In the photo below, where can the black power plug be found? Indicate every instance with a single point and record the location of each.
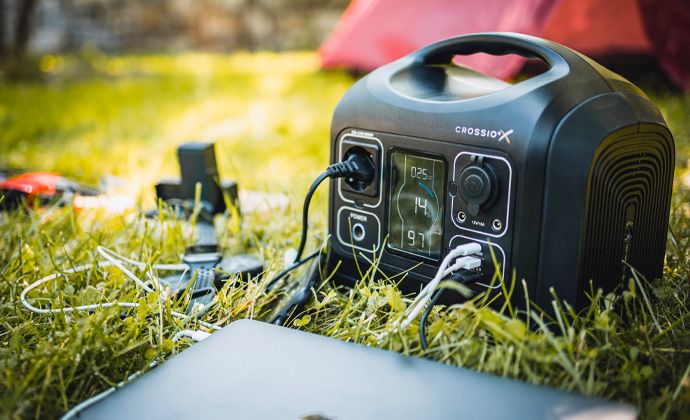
(359, 167)
(365, 171)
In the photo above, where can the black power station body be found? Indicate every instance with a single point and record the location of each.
(563, 178)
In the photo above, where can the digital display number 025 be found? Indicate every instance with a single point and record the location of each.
(416, 204)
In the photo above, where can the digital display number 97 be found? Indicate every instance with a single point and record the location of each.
(416, 239)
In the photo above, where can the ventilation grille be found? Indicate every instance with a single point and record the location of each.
(628, 202)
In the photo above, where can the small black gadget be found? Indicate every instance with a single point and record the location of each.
(562, 178)
(198, 166)
(208, 268)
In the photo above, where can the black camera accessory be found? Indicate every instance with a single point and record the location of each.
(208, 269)
(564, 177)
(197, 166)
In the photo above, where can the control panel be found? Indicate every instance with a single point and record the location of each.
(427, 197)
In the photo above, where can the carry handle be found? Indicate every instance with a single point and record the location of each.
(495, 43)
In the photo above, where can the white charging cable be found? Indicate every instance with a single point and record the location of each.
(116, 260)
(196, 335)
(460, 257)
(112, 259)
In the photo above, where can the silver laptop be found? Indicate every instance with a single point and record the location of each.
(255, 370)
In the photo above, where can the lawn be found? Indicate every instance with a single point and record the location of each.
(92, 116)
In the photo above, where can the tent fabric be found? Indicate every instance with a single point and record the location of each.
(374, 32)
(668, 24)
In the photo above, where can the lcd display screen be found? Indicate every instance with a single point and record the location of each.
(415, 220)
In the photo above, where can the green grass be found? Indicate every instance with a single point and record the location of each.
(270, 114)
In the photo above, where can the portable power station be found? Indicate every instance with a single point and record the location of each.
(563, 178)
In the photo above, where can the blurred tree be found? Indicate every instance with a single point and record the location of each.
(23, 29)
(2, 30)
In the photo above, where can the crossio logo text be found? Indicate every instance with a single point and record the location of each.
(498, 135)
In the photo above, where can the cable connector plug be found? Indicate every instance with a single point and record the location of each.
(358, 168)
(468, 262)
(465, 276)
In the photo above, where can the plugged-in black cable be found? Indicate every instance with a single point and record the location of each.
(305, 212)
(425, 315)
(358, 167)
(287, 271)
(462, 276)
(300, 297)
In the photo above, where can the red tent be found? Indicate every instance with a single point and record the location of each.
(374, 32)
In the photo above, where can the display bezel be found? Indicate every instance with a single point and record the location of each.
(389, 203)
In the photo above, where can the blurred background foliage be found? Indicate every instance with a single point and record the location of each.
(94, 115)
(45, 26)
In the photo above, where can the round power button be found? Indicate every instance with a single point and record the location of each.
(358, 232)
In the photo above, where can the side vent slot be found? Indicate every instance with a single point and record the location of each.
(629, 185)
